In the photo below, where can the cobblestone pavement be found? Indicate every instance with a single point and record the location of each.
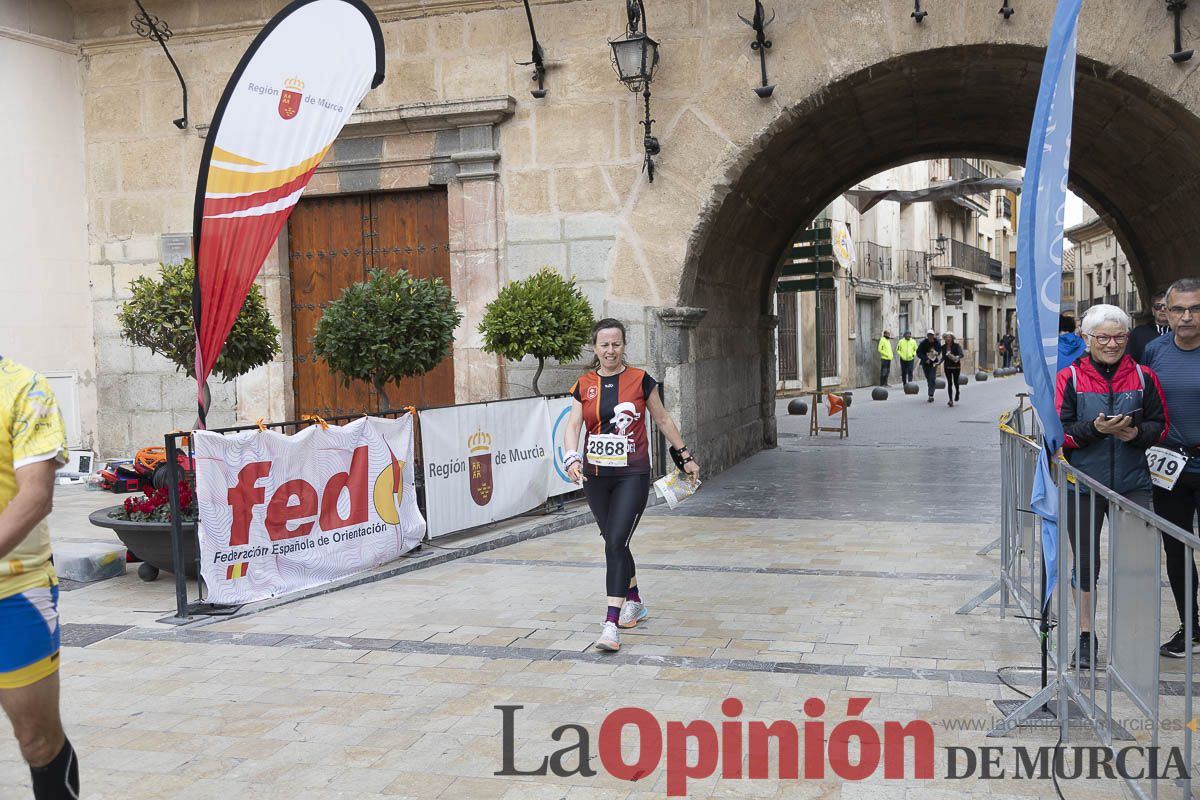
(819, 570)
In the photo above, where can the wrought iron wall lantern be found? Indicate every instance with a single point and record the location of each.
(1006, 12)
(1176, 7)
(148, 26)
(917, 13)
(939, 247)
(635, 57)
(537, 62)
(761, 44)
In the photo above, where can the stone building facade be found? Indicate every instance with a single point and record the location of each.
(907, 278)
(689, 261)
(1101, 270)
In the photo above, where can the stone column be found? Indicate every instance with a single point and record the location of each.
(671, 351)
(474, 208)
(767, 324)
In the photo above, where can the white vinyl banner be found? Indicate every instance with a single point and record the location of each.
(282, 513)
(484, 462)
(557, 482)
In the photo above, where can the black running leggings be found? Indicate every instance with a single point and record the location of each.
(1180, 506)
(617, 503)
(952, 389)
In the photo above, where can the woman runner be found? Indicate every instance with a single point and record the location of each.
(611, 401)
(952, 356)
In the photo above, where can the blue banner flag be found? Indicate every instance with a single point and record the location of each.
(1040, 247)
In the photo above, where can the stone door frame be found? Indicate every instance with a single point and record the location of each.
(451, 143)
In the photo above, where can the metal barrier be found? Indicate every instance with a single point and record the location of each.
(179, 443)
(1120, 696)
(1016, 472)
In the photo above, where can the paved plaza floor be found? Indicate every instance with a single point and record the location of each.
(822, 569)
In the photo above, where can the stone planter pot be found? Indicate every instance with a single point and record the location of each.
(150, 541)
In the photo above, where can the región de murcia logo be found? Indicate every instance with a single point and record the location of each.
(480, 465)
(289, 99)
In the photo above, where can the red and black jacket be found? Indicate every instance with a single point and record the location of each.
(1087, 388)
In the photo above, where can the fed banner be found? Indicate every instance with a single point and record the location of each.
(484, 462)
(283, 513)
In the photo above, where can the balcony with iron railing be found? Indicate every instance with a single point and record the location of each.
(1006, 208)
(874, 262)
(963, 262)
(962, 169)
(912, 267)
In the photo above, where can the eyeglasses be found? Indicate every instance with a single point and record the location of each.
(1104, 338)
(1160, 306)
(1179, 311)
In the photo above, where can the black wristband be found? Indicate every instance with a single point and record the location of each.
(677, 456)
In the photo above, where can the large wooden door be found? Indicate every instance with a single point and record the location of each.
(336, 241)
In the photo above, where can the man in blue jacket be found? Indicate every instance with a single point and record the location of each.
(1070, 344)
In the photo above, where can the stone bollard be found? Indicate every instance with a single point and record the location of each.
(940, 383)
(797, 407)
(879, 393)
(912, 388)
(963, 381)
(980, 376)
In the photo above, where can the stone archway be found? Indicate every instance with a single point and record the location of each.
(1134, 160)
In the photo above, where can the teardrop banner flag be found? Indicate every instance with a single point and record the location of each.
(1039, 258)
(290, 96)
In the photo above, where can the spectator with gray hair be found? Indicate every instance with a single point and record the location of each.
(1112, 409)
(1176, 359)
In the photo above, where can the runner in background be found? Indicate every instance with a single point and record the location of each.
(611, 402)
(32, 447)
(952, 356)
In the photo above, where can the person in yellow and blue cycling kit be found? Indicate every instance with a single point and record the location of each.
(32, 447)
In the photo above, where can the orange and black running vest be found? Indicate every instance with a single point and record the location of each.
(616, 404)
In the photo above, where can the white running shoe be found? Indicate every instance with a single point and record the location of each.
(610, 638)
(632, 613)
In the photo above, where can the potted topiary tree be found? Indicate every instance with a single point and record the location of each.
(159, 316)
(544, 316)
(389, 327)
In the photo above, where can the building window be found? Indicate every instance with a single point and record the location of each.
(905, 314)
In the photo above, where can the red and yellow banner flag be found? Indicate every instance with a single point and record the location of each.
(288, 99)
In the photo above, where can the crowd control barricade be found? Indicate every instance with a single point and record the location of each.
(1129, 697)
(1018, 530)
(190, 603)
(180, 466)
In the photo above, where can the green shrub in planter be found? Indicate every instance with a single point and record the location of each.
(544, 316)
(389, 327)
(159, 316)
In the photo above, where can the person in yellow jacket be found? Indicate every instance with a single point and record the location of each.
(906, 350)
(885, 357)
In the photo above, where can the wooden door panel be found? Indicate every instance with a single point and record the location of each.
(334, 242)
(414, 235)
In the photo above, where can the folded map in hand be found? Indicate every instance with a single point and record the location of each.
(675, 487)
